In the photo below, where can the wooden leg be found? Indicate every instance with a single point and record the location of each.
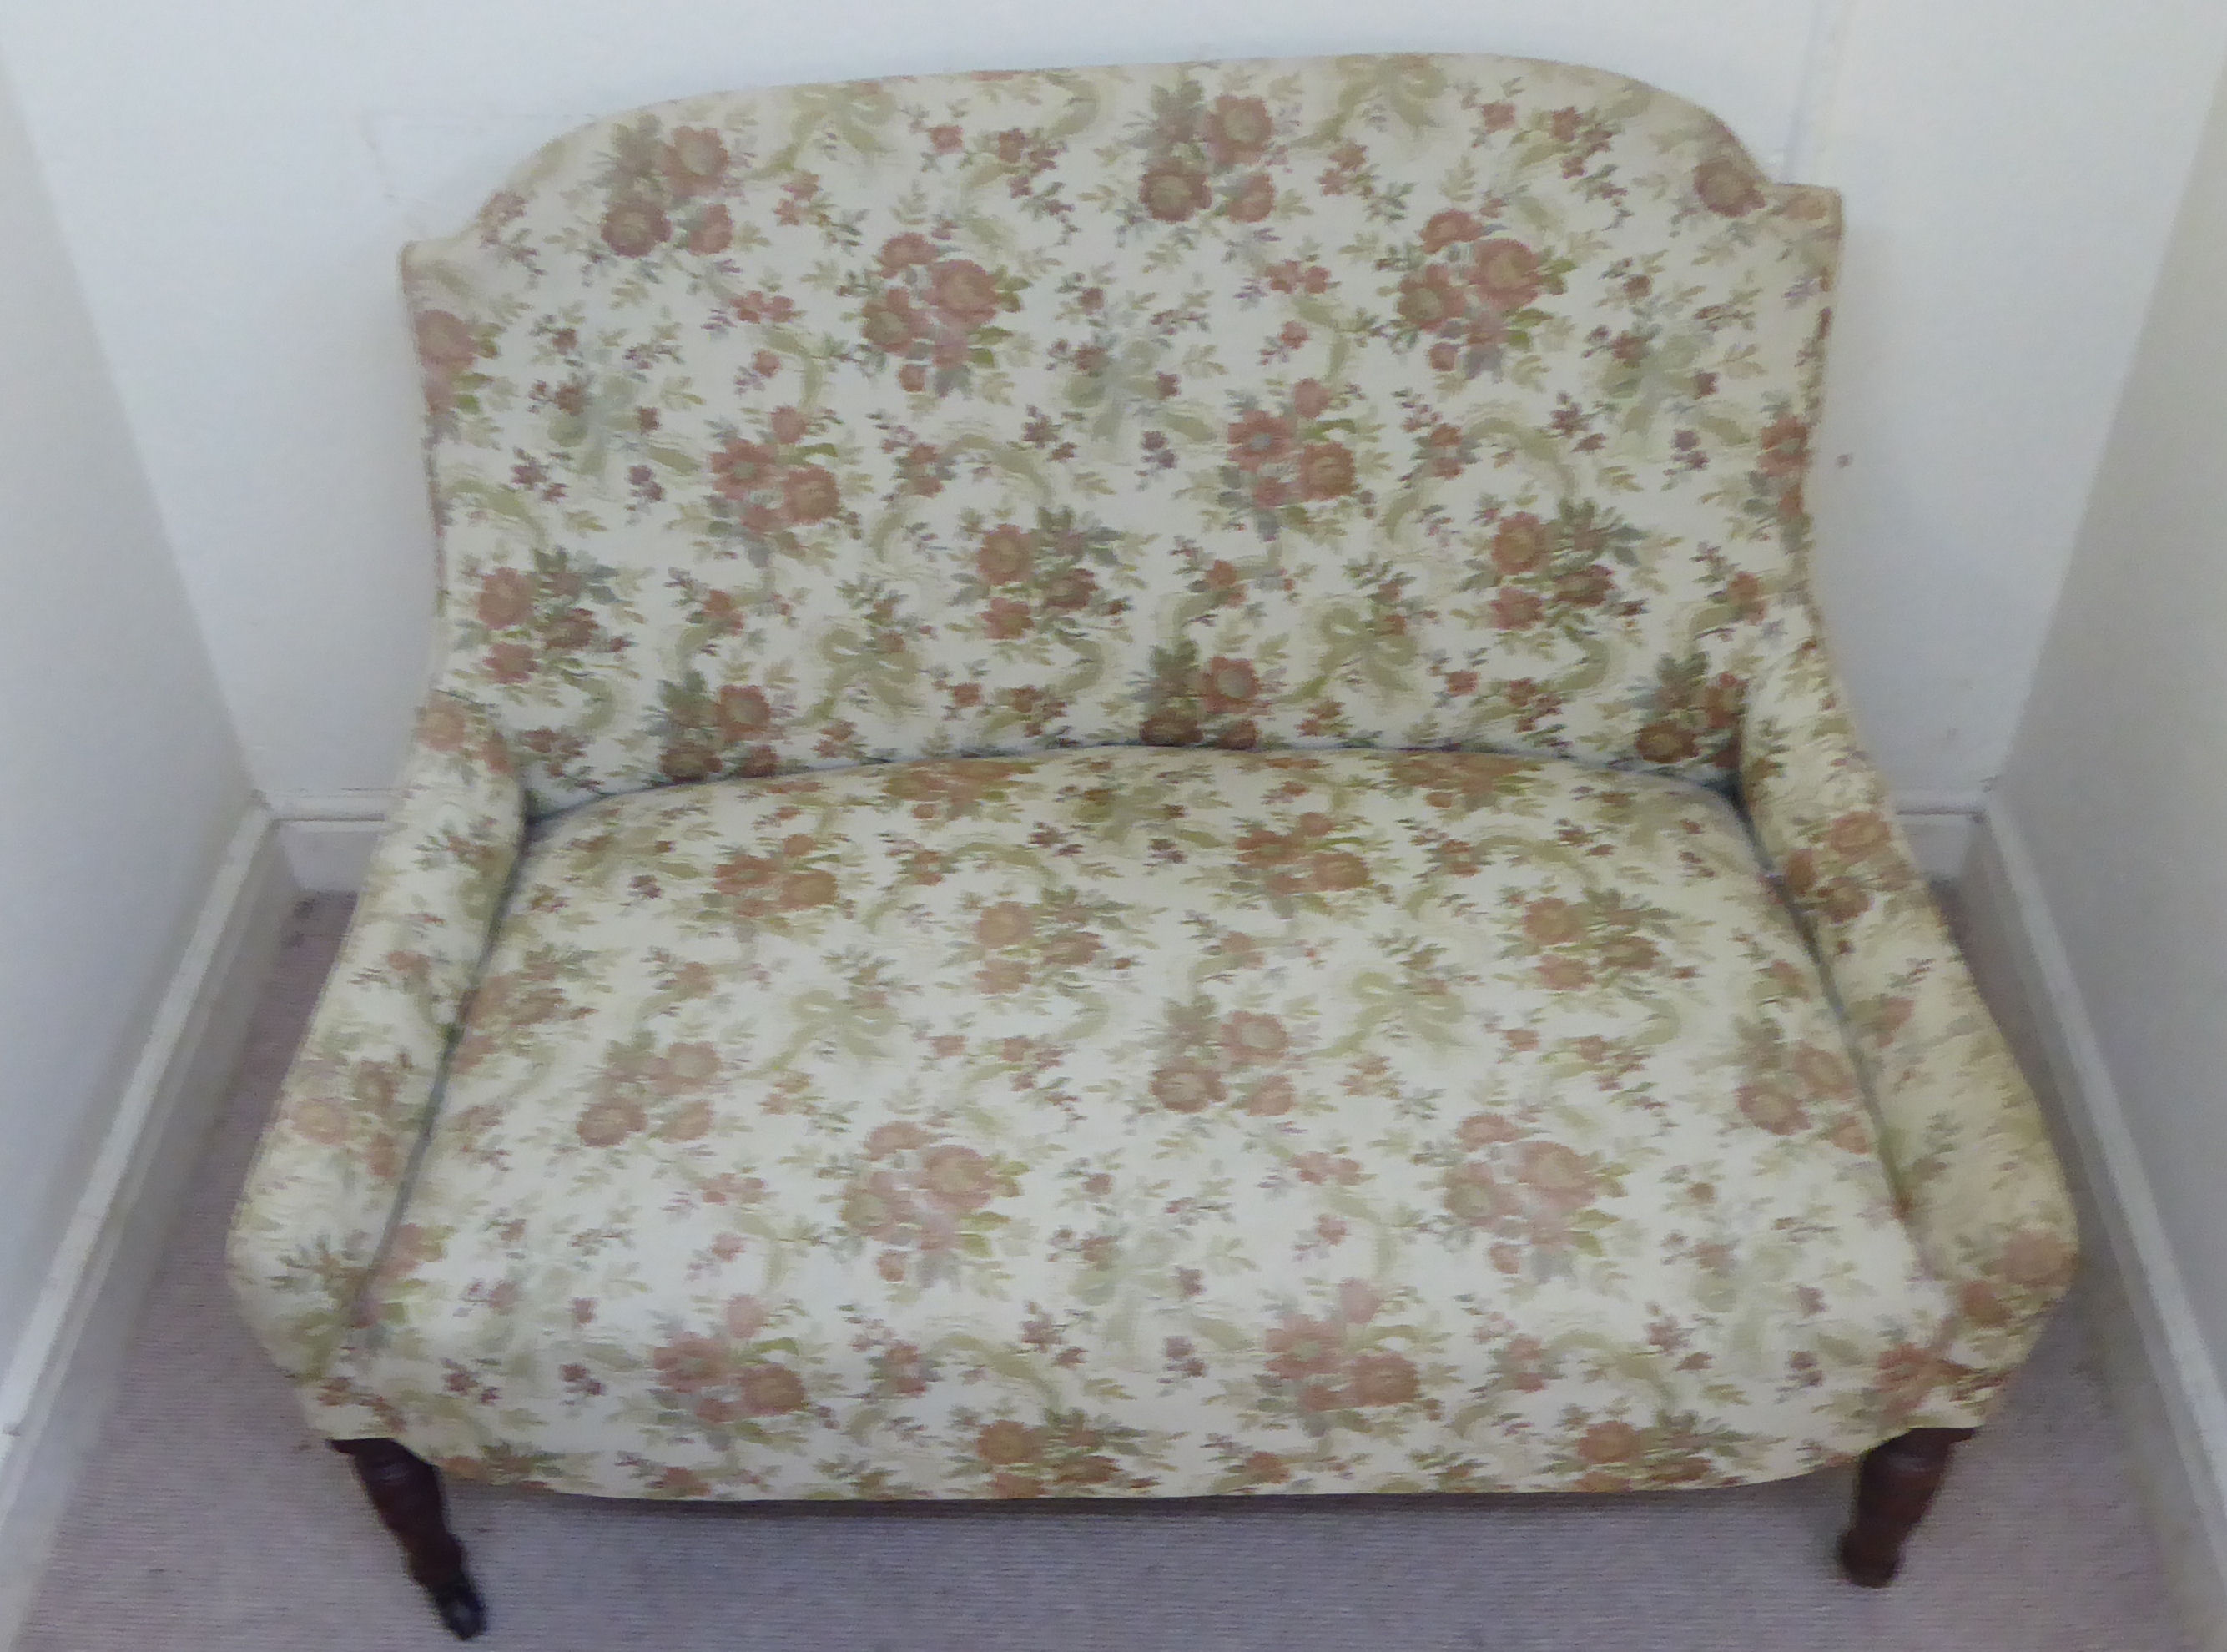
(1894, 1488)
(405, 1490)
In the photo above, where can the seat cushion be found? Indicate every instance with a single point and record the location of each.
(1133, 1121)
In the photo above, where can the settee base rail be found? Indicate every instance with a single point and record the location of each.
(1894, 1488)
(405, 1491)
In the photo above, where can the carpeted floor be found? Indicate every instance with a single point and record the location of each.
(210, 1521)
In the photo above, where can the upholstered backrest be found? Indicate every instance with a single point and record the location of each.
(1420, 401)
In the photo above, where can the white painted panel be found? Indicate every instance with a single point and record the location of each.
(2142, 1322)
(120, 781)
(2119, 777)
(2010, 170)
(57, 1384)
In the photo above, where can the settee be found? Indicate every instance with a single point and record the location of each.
(1131, 791)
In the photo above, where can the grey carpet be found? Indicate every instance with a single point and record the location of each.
(210, 1521)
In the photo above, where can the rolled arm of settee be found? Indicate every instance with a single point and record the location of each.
(361, 1092)
(1976, 1179)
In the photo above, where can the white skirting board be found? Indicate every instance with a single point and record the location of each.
(328, 839)
(1940, 831)
(56, 1391)
(2163, 1382)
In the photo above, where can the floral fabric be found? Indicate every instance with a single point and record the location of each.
(1396, 402)
(1151, 1122)
(1097, 694)
(1978, 1183)
(327, 1180)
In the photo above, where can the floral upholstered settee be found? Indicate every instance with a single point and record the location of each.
(1132, 792)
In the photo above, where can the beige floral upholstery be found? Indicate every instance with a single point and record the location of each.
(325, 1188)
(1978, 1184)
(1132, 792)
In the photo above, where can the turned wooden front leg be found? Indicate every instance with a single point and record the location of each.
(1894, 1488)
(405, 1491)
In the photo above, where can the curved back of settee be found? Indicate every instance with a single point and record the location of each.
(1412, 402)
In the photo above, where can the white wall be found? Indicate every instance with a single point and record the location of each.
(2011, 169)
(120, 781)
(2118, 780)
(250, 165)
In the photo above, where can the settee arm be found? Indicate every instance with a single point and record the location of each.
(326, 1182)
(1976, 1179)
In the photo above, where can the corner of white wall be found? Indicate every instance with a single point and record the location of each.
(2162, 1381)
(328, 838)
(1939, 826)
(60, 1381)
